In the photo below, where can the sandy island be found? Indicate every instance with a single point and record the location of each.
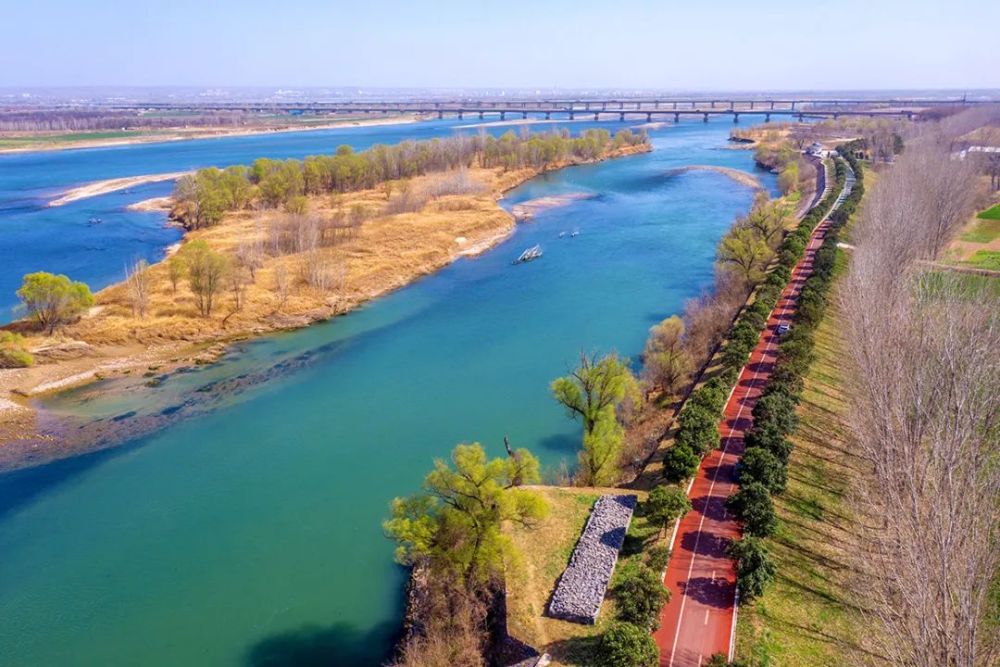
(187, 134)
(527, 210)
(113, 185)
(741, 177)
(386, 253)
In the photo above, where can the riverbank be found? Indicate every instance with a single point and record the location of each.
(35, 142)
(385, 251)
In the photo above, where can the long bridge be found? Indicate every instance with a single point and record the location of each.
(598, 109)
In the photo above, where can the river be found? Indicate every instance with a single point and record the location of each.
(249, 532)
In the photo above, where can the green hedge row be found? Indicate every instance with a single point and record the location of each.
(762, 471)
(698, 422)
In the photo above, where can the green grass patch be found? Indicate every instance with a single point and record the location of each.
(985, 259)
(982, 232)
(992, 213)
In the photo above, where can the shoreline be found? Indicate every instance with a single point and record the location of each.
(178, 134)
(741, 177)
(90, 363)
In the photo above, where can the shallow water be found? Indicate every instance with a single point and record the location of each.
(250, 534)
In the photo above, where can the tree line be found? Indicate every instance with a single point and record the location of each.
(923, 350)
(203, 198)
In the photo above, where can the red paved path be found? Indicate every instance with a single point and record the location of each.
(700, 618)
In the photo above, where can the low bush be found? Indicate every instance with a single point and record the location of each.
(13, 353)
(624, 644)
(640, 595)
(680, 463)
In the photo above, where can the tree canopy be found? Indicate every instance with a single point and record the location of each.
(53, 299)
(455, 524)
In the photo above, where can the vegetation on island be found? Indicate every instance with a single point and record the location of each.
(204, 198)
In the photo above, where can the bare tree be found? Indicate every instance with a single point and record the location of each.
(924, 354)
(282, 285)
(137, 287)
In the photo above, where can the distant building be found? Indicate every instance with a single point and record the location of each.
(814, 148)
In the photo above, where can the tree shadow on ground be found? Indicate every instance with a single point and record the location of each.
(341, 644)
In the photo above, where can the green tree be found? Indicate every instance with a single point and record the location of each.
(666, 362)
(788, 179)
(680, 463)
(753, 507)
(593, 392)
(207, 272)
(666, 504)
(760, 465)
(53, 300)
(746, 252)
(627, 645)
(455, 524)
(593, 389)
(699, 428)
(754, 567)
(776, 409)
(639, 596)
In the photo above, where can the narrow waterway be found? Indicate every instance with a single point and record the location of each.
(250, 533)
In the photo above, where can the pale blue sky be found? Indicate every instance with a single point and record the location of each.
(668, 44)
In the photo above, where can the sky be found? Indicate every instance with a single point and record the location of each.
(662, 44)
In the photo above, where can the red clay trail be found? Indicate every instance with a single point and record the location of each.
(700, 619)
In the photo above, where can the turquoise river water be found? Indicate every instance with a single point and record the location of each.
(245, 528)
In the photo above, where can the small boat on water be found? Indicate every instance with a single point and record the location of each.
(534, 252)
(94, 221)
(576, 232)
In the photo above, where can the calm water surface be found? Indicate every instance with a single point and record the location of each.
(250, 535)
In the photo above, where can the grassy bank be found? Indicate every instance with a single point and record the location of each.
(546, 551)
(806, 619)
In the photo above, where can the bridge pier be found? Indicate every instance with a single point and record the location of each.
(767, 118)
(706, 118)
(596, 115)
(751, 105)
(621, 105)
(503, 115)
(675, 105)
(461, 115)
(793, 105)
(649, 117)
(713, 104)
(480, 115)
(440, 115)
(736, 117)
(909, 115)
(772, 105)
(524, 115)
(571, 114)
(836, 115)
(548, 114)
(621, 117)
(656, 104)
(604, 106)
(677, 117)
(731, 103)
(586, 106)
(801, 118)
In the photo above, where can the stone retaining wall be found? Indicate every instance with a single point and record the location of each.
(580, 592)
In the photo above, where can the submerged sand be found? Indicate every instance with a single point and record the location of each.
(113, 185)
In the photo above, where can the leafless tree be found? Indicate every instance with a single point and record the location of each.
(137, 287)
(924, 354)
(282, 285)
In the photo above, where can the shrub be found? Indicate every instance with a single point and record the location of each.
(760, 465)
(665, 504)
(754, 568)
(736, 353)
(639, 596)
(12, 351)
(775, 409)
(657, 558)
(711, 395)
(680, 463)
(624, 644)
(699, 429)
(769, 438)
(752, 505)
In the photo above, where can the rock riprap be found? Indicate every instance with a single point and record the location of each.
(582, 586)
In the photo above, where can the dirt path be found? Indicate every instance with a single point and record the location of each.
(700, 619)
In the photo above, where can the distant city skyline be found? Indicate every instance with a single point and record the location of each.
(563, 44)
